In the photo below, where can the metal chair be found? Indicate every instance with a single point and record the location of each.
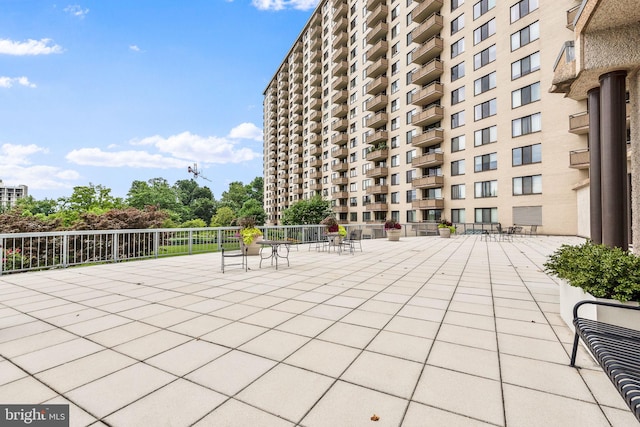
(241, 253)
(355, 238)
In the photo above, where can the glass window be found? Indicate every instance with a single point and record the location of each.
(486, 189)
(457, 24)
(482, 7)
(457, 71)
(457, 192)
(526, 155)
(525, 95)
(457, 48)
(457, 95)
(486, 162)
(456, 4)
(523, 185)
(486, 215)
(525, 36)
(485, 57)
(485, 109)
(458, 216)
(457, 143)
(457, 119)
(485, 136)
(457, 167)
(523, 8)
(484, 83)
(484, 31)
(525, 66)
(526, 125)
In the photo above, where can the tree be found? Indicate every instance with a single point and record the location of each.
(91, 198)
(30, 206)
(304, 212)
(255, 189)
(197, 202)
(235, 196)
(253, 208)
(223, 218)
(155, 192)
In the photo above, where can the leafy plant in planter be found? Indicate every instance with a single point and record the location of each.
(447, 224)
(392, 224)
(333, 227)
(249, 231)
(599, 270)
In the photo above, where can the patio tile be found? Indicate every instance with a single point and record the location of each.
(550, 351)
(10, 372)
(381, 307)
(468, 395)
(350, 405)
(236, 296)
(531, 408)
(110, 393)
(305, 325)
(323, 357)
(187, 357)
(602, 388)
(264, 301)
(98, 324)
(401, 345)
(34, 342)
(527, 329)
(231, 372)
(294, 306)
(55, 355)
(367, 318)
(268, 318)
(422, 313)
(279, 391)
(384, 373)
(149, 345)
(465, 307)
(79, 417)
(416, 327)
(274, 344)
(470, 320)
(84, 370)
(26, 389)
(199, 326)
(207, 306)
(619, 417)
(328, 312)
(418, 415)
(178, 403)
(343, 301)
(470, 360)
(311, 296)
(468, 336)
(14, 320)
(237, 414)
(235, 311)
(233, 334)
(351, 335)
(121, 334)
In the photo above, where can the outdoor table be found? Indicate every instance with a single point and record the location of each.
(335, 241)
(279, 249)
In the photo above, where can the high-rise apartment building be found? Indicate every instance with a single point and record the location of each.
(9, 195)
(427, 110)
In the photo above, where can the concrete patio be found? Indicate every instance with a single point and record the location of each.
(421, 332)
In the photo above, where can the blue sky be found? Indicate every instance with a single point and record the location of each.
(111, 91)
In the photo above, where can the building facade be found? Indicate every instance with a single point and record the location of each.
(427, 110)
(9, 195)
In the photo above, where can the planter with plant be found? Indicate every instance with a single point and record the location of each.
(596, 272)
(250, 235)
(393, 230)
(446, 229)
(335, 231)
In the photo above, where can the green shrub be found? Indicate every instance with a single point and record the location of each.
(600, 270)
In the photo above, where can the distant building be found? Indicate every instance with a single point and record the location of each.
(9, 195)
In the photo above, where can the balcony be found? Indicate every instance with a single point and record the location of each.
(296, 159)
(315, 116)
(579, 123)
(315, 80)
(314, 127)
(315, 187)
(377, 50)
(315, 92)
(340, 10)
(372, 4)
(428, 204)
(340, 139)
(315, 163)
(377, 102)
(425, 9)
(339, 26)
(315, 104)
(428, 181)
(571, 16)
(376, 33)
(315, 67)
(377, 14)
(342, 180)
(377, 68)
(579, 159)
(296, 77)
(428, 95)
(378, 155)
(428, 50)
(378, 85)
(340, 208)
(429, 28)
(340, 83)
(340, 125)
(340, 40)
(296, 118)
(340, 54)
(315, 55)
(340, 111)
(340, 167)
(314, 150)
(378, 189)
(377, 120)
(377, 206)
(340, 68)
(340, 195)
(429, 116)
(428, 160)
(378, 136)
(379, 172)
(339, 153)
(340, 96)
(296, 181)
(315, 175)
(429, 72)
(314, 139)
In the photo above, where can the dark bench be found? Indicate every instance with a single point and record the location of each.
(615, 348)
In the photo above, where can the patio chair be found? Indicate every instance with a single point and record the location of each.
(354, 239)
(240, 253)
(533, 231)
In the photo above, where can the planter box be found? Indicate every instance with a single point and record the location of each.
(393, 234)
(570, 295)
(254, 247)
(445, 232)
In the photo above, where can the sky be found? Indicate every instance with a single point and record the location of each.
(107, 92)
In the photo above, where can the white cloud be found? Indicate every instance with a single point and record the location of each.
(29, 47)
(7, 82)
(284, 4)
(12, 154)
(134, 48)
(76, 10)
(17, 169)
(127, 158)
(246, 131)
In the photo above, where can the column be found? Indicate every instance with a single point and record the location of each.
(634, 98)
(613, 147)
(595, 189)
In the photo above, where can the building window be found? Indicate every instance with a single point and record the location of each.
(457, 24)
(411, 216)
(486, 189)
(394, 123)
(410, 175)
(409, 155)
(458, 216)
(457, 71)
(409, 135)
(526, 125)
(485, 57)
(457, 95)
(484, 31)
(395, 179)
(457, 143)
(457, 192)
(525, 66)
(457, 167)
(482, 7)
(525, 95)
(526, 155)
(395, 160)
(522, 8)
(485, 109)
(456, 4)
(395, 86)
(525, 36)
(457, 119)
(394, 31)
(485, 136)
(411, 195)
(457, 48)
(486, 162)
(523, 185)
(394, 142)
(395, 197)
(395, 105)
(484, 83)
(486, 215)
